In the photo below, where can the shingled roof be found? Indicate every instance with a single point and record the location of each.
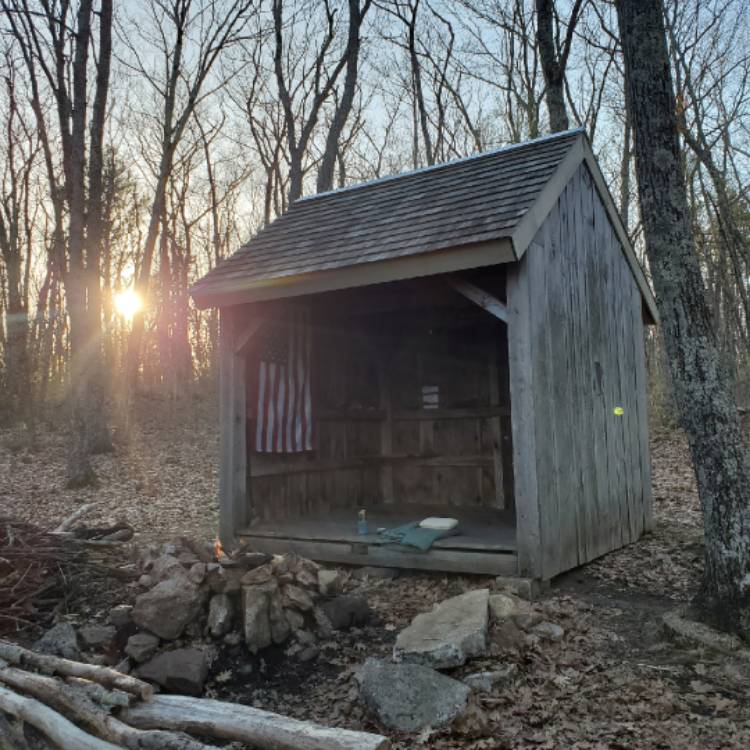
(473, 212)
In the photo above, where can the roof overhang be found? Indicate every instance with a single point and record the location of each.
(448, 260)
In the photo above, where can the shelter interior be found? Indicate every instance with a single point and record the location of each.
(411, 412)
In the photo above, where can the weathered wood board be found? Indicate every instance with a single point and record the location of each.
(578, 389)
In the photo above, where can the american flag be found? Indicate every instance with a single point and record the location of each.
(284, 407)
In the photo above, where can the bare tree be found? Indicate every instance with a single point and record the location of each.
(702, 394)
(554, 58)
(179, 90)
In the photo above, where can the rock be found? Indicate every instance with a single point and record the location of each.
(344, 612)
(145, 581)
(164, 567)
(410, 697)
(507, 636)
(255, 622)
(297, 598)
(264, 621)
(223, 580)
(220, 615)
(306, 573)
(141, 646)
(120, 616)
(369, 571)
(97, 637)
(60, 640)
(233, 639)
(502, 607)
(527, 620)
(329, 582)
(323, 625)
(295, 619)
(168, 608)
(455, 631)
(305, 637)
(549, 631)
(308, 653)
(183, 670)
(197, 573)
(262, 574)
(280, 628)
(484, 682)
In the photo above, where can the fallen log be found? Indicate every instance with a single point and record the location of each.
(50, 723)
(75, 704)
(262, 729)
(47, 664)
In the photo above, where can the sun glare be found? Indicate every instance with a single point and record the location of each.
(128, 303)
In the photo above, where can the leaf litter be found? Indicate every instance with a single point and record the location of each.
(613, 681)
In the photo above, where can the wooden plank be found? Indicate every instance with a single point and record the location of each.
(449, 561)
(482, 412)
(386, 431)
(496, 429)
(480, 297)
(233, 490)
(528, 535)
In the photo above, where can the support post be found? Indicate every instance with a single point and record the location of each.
(528, 526)
(234, 500)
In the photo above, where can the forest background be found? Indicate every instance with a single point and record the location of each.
(141, 142)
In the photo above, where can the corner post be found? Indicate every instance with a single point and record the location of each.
(233, 495)
(528, 527)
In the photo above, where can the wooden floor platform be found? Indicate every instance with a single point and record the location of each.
(486, 542)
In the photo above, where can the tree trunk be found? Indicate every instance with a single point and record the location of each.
(554, 72)
(328, 162)
(704, 401)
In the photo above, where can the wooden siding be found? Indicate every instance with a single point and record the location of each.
(577, 353)
(376, 444)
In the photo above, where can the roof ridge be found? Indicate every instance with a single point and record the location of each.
(434, 167)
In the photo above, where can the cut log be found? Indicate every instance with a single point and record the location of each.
(73, 518)
(76, 705)
(261, 729)
(107, 699)
(50, 723)
(110, 678)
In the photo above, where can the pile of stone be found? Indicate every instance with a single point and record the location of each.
(410, 692)
(193, 600)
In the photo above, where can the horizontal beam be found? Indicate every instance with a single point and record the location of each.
(479, 297)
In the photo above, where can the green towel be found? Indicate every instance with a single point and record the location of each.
(413, 535)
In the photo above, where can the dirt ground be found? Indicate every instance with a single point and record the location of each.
(614, 681)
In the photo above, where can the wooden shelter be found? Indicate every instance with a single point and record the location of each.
(477, 353)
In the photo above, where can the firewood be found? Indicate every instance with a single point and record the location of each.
(261, 729)
(102, 696)
(76, 705)
(56, 665)
(73, 518)
(50, 723)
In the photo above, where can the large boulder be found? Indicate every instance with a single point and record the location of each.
(183, 670)
(60, 640)
(455, 631)
(410, 697)
(169, 607)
